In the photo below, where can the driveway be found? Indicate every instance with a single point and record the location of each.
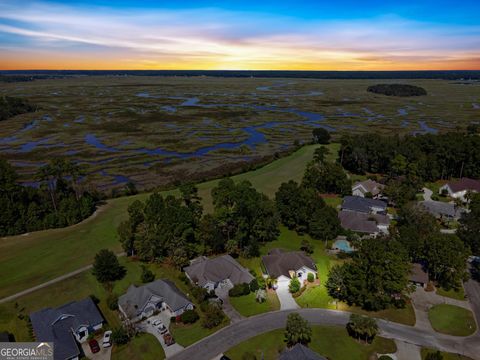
(245, 329)
(103, 354)
(227, 307)
(287, 302)
(406, 351)
(164, 317)
(427, 194)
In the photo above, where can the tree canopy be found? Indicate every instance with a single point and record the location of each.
(297, 330)
(61, 200)
(375, 278)
(106, 267)
(397, 90)
(12, 106)
(469, 229)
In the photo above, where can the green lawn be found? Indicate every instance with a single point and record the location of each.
(403, 316)
(142, 347)
(59, 251)
(452, 320)
(446, 356)
(186, 335)
(248, 306)
(454, 294)
(81, 286)
(330, 341)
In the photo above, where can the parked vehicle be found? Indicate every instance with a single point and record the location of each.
(162, 329)
(106, 339)
(94, 347)
(168, 339)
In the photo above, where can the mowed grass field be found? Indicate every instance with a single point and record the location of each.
(31, 259)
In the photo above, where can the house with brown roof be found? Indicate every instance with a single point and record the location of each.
(418, 275)
(222, 271)
(284, 266)
(362, 188)
(458, 189)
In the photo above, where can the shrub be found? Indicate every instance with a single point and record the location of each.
(306, 246)
(385, 357)
(437, 355)
(120, 336)
(213, 316)
(199, 293)
(183, 278)
(173, 319)
(147, 275)
(261, 295)
(112, 301)
(239, 290)
(254, 285)
(262, 284)
(294, 285)
(310, 277)
(189, 317)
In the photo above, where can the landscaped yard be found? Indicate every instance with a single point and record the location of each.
(452, 320)
(142, 347)
(83, 285)
(330, 341)
(454, 294)
(446, 356)
(186, 335)
(59, 251)
(248, 306)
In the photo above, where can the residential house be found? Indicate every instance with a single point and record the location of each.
(362, 188)
(371, 224)
(222, 271)
(299, 352)
(364, 205)
(66, 326)
(144, 301)
(418, 276)
(442, 210)
(458, 189)
(284, 266)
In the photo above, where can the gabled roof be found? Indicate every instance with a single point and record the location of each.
(137, 297)
(362, 222)
(361, 204)
(56, 325)
(203, 270)
(439, 208)
(418, 275)
(370, 186)
(299, 352)
(278, 262)
(465, 184)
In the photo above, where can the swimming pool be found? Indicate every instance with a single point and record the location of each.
(342, 245)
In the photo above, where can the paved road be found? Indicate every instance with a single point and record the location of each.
(234, 334)
(48, 283)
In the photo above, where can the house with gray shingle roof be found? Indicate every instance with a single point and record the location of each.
(146, 300)
(284, 266)
(364, 205)
(299, 352)
(66, 326)
(362, 188)
(222, 271)
(372, 224)
(442, 210)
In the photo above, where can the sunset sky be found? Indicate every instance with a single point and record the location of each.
(244, 35)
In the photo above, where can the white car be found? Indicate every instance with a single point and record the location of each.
(162, 329)
(106, 342)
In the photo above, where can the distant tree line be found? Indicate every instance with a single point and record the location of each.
(59, 201)
(397, 90)
(11, 106)
(428, 157)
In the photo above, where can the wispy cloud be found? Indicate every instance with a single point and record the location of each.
(214, 38)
